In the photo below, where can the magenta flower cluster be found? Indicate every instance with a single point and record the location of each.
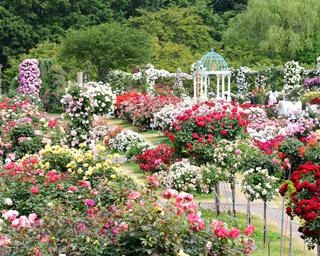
(310, 82)
(29, 77)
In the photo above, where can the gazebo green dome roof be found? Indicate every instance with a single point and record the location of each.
(213, 61)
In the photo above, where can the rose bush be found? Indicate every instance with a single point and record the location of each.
(124, 140)
(140, 108)
(154, 160)
(302, 192)
(198, 129)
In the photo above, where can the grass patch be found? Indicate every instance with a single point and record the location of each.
(132, 169)
(273, 234)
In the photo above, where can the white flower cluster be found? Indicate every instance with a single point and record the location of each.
(168, 114)
(150, 74)
(102, 96)
(258, 184)
(124, 140)
(261, 80)
(292, 77)
(183, 176)
(242, 82)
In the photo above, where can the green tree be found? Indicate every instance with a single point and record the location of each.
(271, 28)
(25, 23)
(171, 56)
(176, 25)
(107, 46)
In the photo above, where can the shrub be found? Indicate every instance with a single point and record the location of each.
(198, 129)
(124, 140)
(155, 160)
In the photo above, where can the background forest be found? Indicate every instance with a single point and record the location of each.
(97, 35)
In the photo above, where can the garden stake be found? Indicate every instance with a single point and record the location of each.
(264, 224)
(233, 191)
(248, 212)
(318, 249)
(290, 242)
(282, 224)
(269, 241)
(217, 201)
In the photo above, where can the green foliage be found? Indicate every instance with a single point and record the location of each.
(171, 56)
(107, 46)
(52, 88)
(26, 23)
(177, 25)
(277, 28)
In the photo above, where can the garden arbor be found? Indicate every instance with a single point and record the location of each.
(211, 65)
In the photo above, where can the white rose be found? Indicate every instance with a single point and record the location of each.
(8, 201)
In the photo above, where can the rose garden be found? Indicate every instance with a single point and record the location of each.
(159, 127)
(128, 172)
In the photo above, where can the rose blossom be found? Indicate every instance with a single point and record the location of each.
(134, 195)
(168, 193)
(249, 230)
(89, 202)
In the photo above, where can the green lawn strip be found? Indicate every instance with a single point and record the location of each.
(273, 234)
(132, 170)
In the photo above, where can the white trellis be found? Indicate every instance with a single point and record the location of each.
(211, 65)
(151, 74)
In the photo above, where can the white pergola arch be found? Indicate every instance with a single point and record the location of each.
(211, 65)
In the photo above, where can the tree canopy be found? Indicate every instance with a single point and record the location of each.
(107, 46)
(287, 28)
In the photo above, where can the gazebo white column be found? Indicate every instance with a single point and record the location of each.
(222, 92)
(201, 86)
(206, 87)
(218, 87)
(229, 88)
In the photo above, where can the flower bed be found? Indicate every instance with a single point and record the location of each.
(140, 108)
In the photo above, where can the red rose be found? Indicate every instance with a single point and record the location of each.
(195, 136)
(34, 190)
(224, 132)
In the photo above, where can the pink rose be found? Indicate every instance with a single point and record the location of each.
(170, 193)
(221, 232)
(249, 230)
(89, 202)
(34, 190)
(234, 233)
(73, 189)
(134, 195)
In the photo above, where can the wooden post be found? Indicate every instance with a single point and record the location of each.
(217, 200)
(79, 78)
(248, 212)
(318, 249)
(233, 193)
(264, 224)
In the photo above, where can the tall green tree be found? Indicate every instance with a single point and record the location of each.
(25, 23)
(107, 46)
(278, 28)
(176, 25)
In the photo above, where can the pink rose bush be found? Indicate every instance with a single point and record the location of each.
(139, 109)
(24, 128)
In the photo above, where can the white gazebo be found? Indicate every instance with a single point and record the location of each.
(209, 66)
